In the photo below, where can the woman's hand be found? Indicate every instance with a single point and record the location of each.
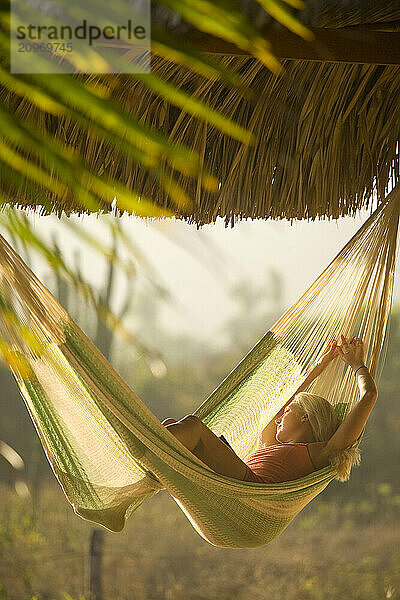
(329, 352)
(351, 351)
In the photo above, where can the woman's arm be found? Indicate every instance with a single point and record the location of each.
(352, 352)
(267, 437)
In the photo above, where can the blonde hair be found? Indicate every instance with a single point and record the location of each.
(324, 422)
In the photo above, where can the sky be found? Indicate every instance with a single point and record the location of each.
(199, 267)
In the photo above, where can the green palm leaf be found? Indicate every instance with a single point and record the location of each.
(86, 102)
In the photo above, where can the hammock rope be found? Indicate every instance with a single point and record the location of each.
(110, 453)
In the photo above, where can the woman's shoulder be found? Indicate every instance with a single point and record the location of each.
(318, 454)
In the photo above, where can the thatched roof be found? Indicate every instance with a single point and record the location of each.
(327, 129)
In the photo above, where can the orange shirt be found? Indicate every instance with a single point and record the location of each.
(278, 463)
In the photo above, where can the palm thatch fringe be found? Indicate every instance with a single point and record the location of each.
(327, 136)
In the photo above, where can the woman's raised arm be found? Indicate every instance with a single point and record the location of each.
(329, 352)
(352, 353)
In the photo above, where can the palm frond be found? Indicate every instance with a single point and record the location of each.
(89, 115)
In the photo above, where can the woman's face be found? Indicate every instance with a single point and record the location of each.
(292, 424)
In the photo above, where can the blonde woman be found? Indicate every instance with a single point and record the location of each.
(304, 436)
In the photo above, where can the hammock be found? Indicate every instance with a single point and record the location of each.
(110, 453)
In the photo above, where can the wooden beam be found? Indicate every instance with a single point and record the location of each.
(330, 45)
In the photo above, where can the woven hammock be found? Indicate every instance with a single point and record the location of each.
(110, 453)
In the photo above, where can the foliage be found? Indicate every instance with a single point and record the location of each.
(331, 550)
(46, 170)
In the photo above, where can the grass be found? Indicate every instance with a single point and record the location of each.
(330, 551)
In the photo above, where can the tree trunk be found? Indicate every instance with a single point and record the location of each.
(95, 565)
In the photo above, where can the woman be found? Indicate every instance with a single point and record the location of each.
(305, 435)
